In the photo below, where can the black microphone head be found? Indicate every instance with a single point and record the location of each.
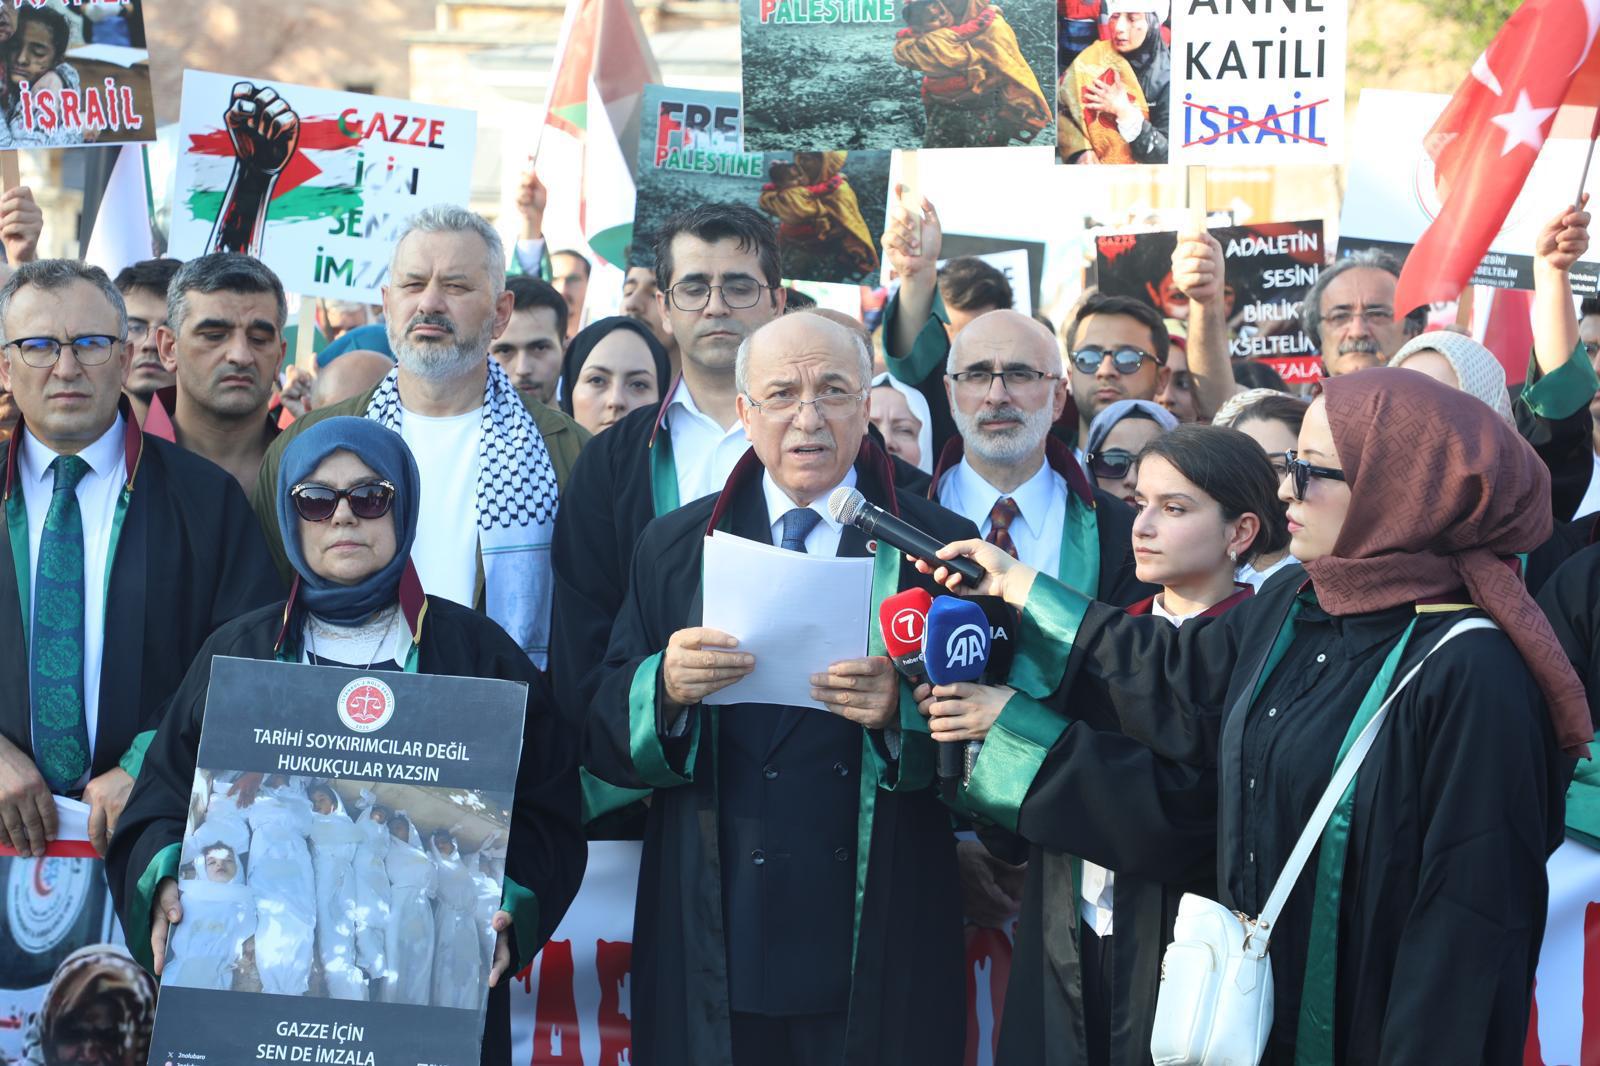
(846, 505)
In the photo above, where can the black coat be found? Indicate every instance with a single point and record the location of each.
(783, 885)
(546, 853)
(189, 558)
(1458, 805)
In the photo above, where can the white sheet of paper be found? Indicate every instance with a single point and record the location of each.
(797, 614)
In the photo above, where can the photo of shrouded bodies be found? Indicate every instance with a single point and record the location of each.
(819, 217)
(977, 90)
(338, 889)
(923, 73)
(1112, 103)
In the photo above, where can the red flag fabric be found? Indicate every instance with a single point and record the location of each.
(1487, 138)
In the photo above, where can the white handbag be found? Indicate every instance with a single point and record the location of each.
(1215, 1004)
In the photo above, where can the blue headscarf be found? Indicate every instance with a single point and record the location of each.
(386, 453)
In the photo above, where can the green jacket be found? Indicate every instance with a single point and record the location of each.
(563, 438)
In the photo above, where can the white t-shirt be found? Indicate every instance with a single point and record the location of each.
(446, 552)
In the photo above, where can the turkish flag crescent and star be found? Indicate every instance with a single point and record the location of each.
(1484, 143)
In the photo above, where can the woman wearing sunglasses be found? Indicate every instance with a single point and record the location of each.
(1117, 834)
(1425, 899)
(1116, 437)
(347, 503)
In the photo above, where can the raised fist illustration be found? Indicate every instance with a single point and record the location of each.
(264, 128)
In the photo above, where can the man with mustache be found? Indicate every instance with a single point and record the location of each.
(144, 288)
(493, 462)
(718, 280)
(222, 342)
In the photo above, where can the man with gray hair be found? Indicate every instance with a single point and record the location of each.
(798, 901)
(493, 462)
(222, 342)
(129, 552)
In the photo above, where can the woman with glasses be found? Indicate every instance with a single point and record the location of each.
(1272, 420)
(1426, 897)
(347, 504)
(1117, 436)
(1117, 834)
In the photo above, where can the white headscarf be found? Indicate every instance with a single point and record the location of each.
(919, 410)
(1478, 372)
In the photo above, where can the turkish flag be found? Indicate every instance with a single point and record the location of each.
(1485, 141)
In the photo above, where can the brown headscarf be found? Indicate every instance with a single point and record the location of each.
(1442, 491)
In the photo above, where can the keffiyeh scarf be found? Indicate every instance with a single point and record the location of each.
(517, 501)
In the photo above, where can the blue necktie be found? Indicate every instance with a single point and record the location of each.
(797, 525)
(55, 662)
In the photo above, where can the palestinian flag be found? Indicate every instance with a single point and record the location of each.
(591, 131)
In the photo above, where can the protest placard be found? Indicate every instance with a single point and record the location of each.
(854, 74)
(1258, 81)
(1392, 198)
(1268, 269)
(75, 73)
(342, 862)
(829, 206)
(1115, 90)
(313, 182)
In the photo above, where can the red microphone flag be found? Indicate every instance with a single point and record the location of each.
(1486, 140)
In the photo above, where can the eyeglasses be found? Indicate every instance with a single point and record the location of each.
(830, 405)
(317, 503)
(1015, 379)
(41, 353)
(1113, 463)
(1374, 316)
(737, 294)
(1303, 472)
(139, 329)
(1126, 358)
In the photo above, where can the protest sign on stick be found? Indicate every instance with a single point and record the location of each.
(829, 206)
(856, 74)
(341, 864)
(1258, 81)
(57, 93)
(313, 182)
(1268, 268)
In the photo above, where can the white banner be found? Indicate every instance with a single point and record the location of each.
(315, 183)
(1252, 89)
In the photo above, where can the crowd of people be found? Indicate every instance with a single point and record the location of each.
(1209, 589)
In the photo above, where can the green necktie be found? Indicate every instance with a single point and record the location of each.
(55, 674)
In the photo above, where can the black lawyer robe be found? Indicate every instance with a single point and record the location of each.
(906, 984)
(1100, 796)
(545, 854)
(605, 505)
(1571, 600)
(189, 558)
(1458, 805)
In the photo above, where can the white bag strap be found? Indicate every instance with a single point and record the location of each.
(1342, 777)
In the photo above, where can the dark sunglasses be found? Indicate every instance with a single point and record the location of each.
(1126, 358)
(1303, 472)
(1112, 463)
(316, 503)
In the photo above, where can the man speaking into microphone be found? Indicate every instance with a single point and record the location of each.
(798, 899)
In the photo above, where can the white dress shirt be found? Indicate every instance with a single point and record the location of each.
(1041, 511)
(97, 503)
(825, 535)
(703, 453)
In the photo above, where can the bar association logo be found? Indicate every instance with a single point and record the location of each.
(366, 705)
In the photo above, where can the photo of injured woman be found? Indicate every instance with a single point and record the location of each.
(1112, 103)
(341, 889)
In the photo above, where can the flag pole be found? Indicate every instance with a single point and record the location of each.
(1594, 134)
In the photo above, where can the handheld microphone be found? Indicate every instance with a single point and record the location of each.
(850, 508)
(1003, 622)
(902, 618)
(955, 647)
